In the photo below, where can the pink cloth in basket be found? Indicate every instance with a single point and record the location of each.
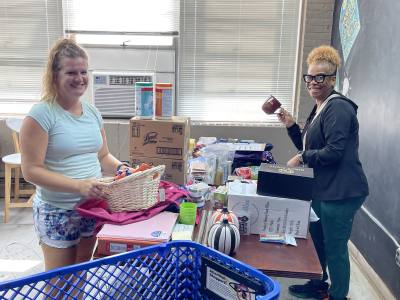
(99, 209)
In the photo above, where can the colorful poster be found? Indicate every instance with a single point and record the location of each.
(349, 26)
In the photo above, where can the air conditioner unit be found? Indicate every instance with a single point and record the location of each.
(114, 92)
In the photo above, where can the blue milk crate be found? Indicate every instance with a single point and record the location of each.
(175, 270)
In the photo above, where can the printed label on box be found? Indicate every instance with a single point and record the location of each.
(150, 138)
(177, 165)
(118, 248)
(177, 129)
(244, 223)
(169, 151)
(135, 130)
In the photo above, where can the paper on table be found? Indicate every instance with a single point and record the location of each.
(313, 216)
(280, 238)
(182, 232)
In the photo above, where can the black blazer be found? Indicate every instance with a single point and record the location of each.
(332, 150)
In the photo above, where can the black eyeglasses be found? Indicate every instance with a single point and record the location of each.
(319, 78)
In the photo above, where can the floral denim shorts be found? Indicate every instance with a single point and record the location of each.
(60, 228)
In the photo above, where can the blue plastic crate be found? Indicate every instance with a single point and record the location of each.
(175, 270)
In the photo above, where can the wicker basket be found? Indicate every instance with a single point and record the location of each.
(134, 192)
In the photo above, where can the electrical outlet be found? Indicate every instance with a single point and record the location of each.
(398, 257)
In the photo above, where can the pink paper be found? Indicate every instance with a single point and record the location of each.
(157, 228)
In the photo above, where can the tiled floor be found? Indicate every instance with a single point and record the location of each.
(21, 255)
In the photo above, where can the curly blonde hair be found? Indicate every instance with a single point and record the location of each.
(324, 55)
(64, 47)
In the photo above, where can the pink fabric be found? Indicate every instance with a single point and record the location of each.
(99, 209)
(172, 190)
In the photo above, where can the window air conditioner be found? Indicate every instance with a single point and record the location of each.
(114, 92)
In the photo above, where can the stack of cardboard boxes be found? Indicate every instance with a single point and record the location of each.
(161, 142)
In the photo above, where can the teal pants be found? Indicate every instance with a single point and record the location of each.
(330, 236)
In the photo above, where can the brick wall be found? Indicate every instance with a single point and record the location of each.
(317, 29)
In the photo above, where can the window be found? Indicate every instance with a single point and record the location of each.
(122, 22)
(233, 53)
(28, 29)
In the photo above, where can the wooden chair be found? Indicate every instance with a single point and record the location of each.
(13, 162)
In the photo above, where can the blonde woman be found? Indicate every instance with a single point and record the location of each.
(64, 150)
(329, 144)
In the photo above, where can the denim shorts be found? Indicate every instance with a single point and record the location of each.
(60, 228)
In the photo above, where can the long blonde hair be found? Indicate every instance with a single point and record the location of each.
(65, 47)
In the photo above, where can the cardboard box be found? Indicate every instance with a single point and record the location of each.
(175, 170)
(159, 138)
(266, 213)
(110, 246)
(121, 238)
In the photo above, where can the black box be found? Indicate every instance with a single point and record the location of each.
(285, 182)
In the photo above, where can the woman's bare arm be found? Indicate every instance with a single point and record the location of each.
(34, 141)
(108, 162)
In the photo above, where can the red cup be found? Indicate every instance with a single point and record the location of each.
(271, 105)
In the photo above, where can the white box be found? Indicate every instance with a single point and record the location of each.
(266, 213)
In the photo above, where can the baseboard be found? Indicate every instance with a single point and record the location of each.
(375, 281)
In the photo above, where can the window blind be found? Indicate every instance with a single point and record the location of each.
(28, 29)
(232, 55)
(122, 22)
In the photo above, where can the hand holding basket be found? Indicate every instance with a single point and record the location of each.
(134, 192)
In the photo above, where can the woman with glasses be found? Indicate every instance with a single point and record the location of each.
(329, 144)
